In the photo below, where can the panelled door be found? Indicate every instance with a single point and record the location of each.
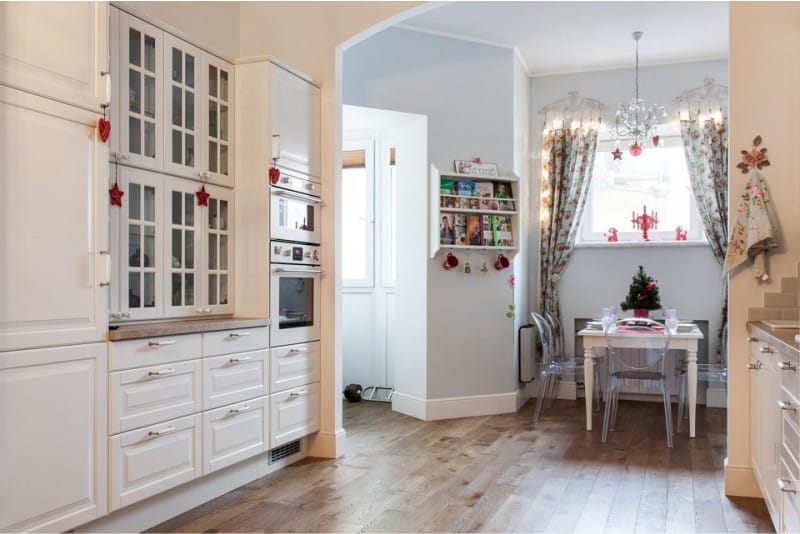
(182, 106)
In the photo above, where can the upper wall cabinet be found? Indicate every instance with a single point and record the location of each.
(173, 103)
(295, 119)
(57, 50)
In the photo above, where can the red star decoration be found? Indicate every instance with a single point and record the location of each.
(617, 153)
(116, 195)
(202, 197)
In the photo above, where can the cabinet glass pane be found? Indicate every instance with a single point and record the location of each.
(189, 70)
(150, 53)
(223, 122)
(189, 110)
(189, 201)
(177, 149)
(134, 47)
(212, 213)
(212, 119)
(189, 300)
(190, 150)
(134, 244)
(134, 91)
(189, 256)
(223, 289)
(223, 159)
(176, 207)
(177, 106)
(212, 289)
(149, 96)
(134, 135)
(177, 246)
(134, 290)
(176, 289)
(223, 214)
(177, 65)
(212, 156)
(149, 246)
(212, 251)
(212, 80)
(223, 252)
(149, 290)
(134, 202)
(149, 203)
(149, 139)
(223, 85)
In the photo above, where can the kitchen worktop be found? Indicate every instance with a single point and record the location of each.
(182, 326)
(781, 338)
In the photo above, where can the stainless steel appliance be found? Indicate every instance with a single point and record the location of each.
(294, 293)
(294, 208)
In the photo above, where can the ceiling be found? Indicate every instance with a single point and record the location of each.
(561, 37)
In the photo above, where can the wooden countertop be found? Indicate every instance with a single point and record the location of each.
(781, 338)
(182, 326)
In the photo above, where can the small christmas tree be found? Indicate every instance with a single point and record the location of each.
(643, 293)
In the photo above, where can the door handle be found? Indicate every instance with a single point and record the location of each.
(285, 270)
(163, 431)
(165, 372)
(297, 196)
(240, 409)
(787, 406)
(787, 366)
(162, 343)
(239, 359)
(238, 334)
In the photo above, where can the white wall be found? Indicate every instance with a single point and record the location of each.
(689, 277)
(467, 91)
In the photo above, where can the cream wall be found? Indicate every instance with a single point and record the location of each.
(764, 99)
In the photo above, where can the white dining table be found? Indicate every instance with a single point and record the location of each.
(686, 338)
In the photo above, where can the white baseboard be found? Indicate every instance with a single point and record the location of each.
(325, 445)
(740, 481)
(454, 407)
(409, 405)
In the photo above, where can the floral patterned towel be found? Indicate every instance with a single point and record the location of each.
(753, 230)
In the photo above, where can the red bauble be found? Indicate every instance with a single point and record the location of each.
(635, 149)
(116, 194)
(202, 196)
(274, 175)
(651, 286)
(103, 129)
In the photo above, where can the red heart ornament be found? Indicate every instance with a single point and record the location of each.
(656, 139)
(274, 175)
(103, 129)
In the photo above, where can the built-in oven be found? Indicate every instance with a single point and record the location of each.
(294, 208)
(295, 277)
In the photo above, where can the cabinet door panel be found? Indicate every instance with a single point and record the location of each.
(218, 120)
(52, 225)
(293, 414)
(56, 49)
(234, 378)
(183, 248)
(183, 124)
(218, 251)
(295, 117)
(234, 433)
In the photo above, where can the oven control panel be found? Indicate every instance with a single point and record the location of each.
(294, 253)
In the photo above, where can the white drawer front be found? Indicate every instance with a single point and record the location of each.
(294, 366)
(150, 460)
(234, 378)
(235, 432)
(147, 395)
(293, 414)
(230, 341)
(153, 351)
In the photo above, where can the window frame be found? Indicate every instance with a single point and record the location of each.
(367, 144)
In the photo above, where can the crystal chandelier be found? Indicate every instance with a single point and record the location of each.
(635, 120)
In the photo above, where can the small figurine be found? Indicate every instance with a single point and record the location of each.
(484, 268)
(611, 235)
(680, 234)
(467, 268)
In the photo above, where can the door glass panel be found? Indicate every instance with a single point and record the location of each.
(177, 65)
(134, 243)
(149, 203)
(223, 85)
(134, 202)
(177, 106)
(189, 110)
(212, 119)
(134, 290)
(189, 289)
(149, 246)
(212, 289)
(149, 290)
(190, 150)
(134, 47)
(177, 149)
(223, 159)
(149, 139)
(189, 70)
(223, 289)
(177, 246)
(223, 214)
(295, 302)
(189, 257)
(176, 289)
(134, 135)
(212, 251)
(176, 207)
(223, 122)
(212, 213)
(134, 91)
(189, 216)
(223, 252)
(212, 80)
(149, 96)
(212, 156)
(150, 53)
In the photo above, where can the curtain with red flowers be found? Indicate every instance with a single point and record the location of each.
(568, 156)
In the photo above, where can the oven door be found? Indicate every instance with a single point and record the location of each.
(294, 216)
(294, 304)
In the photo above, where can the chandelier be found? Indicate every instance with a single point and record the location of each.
(635, 120)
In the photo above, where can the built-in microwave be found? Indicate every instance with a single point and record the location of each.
(295, 287)
(294, 208)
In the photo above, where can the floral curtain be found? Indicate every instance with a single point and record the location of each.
(706, 148)
(568, 156)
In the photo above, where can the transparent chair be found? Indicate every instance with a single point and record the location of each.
(706, 372)
(560, 353)
(648, 366)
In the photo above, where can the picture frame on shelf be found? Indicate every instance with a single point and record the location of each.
(502, 190)
(471, 167)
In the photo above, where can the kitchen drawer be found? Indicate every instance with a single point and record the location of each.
(293, 414)
(230, 341)
(294, 365)
(235, 432)
(148, 395)
(150, 460)
(234, 378)
(153, 351)
(790, 374)
(790, 502)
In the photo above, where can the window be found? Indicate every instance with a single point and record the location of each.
(620, 190)
(357, 214)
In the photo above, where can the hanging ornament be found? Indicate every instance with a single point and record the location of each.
(202, 196)
(656, 140)
(467, 268)
(617, 153)
(274, 173)
(103, 127)
(635, 149)
(115, 192)
(484, 268)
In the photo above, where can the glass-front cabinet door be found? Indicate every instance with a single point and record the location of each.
(139, 107)
(183, 242)
(218, 116)
(139, 228)
(182, 106)
(219, 251)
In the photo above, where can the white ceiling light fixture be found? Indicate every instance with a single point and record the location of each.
(635, 120)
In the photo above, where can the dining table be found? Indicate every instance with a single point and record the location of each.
(685, 337)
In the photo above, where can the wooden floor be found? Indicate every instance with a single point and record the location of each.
(496, 474)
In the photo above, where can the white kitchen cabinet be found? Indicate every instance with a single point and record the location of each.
(235, 377)
(235, 432)
(294, 413)
(295, 119)
(294, 365)
(182, 103)
(57, 50)
(53, 228)
(218, 101)
(53, 446)
(766, 438)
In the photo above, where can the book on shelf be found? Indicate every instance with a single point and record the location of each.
(466, 188)
(506, 205)
(502, 190)
(474, 233)
(486, 203)
(473, 203)
(503, 235)
(460, 226)
(448, 202)
(447, 187)
(488, 227)
(446, 229)
(484, 189)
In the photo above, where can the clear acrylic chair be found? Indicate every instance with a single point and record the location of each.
(706, 372)
(649, 367)
(560, 353)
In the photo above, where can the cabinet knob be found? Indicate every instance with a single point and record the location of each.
(751, 339)
(767, 350)
(785, 486)
(755, 366)
(787, 366)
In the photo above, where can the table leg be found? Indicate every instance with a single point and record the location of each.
(588, 377)
(692, 388)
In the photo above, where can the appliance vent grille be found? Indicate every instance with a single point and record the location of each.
(284, 451)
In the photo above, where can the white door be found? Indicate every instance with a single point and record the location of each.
(182, 98)
(295, 118)
(53, 227)
(218, 120)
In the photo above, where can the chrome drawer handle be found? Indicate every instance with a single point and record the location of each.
(165, 372)
(297, 393)
(239, 359)
(751, 339)
(298, 351)
(788, 406)
(786, 486)
(755, 366)
(767, 350)
(239, 410)
(161, 343)
(163, 431)
(238, 334)
(787, 366)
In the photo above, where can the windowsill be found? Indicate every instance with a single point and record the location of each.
(642, 244)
